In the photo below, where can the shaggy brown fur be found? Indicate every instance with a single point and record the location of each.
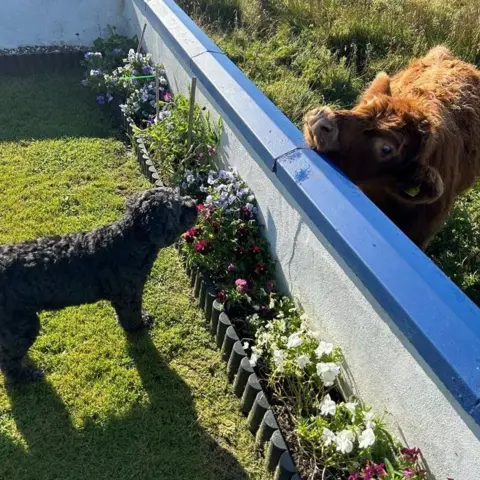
(411, 143)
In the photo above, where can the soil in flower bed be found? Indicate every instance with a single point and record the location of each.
(157, 407)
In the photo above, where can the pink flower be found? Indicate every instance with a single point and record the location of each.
(410, 473)
(241, 285)
(167, 97)
(211, 149)
(256, 249)
(411, 453)
(188, 237)
(242, 232)
(221, 296)
(260, 268)
(369, 471)
(373, 469)
(202, 247)
(200, 207)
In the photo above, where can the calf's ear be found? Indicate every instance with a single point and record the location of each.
(379, 86)
(420, 184)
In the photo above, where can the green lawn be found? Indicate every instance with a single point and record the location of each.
(157, 406)
(306, 53)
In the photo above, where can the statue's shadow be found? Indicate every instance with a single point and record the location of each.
(162, 440)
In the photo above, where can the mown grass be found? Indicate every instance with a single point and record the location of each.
(154, 406)
(306, 53)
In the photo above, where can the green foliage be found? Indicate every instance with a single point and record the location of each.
(153, 406)
(167, 140)
(456, 249)
(114, 48)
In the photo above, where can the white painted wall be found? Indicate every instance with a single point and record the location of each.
(56, 22)
(383, 368)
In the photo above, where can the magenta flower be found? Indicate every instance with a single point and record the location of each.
(256, 249)
(168, 96)
(411, 453)
(211, 149)
(202, 247)
(242, 286)
(189, 235)
(260, 268)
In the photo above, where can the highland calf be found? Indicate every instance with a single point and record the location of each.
(109, 263)
(411, 143)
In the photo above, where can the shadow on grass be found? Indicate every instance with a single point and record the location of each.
(160, 441)
(42, 106)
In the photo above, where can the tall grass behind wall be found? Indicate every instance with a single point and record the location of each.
(303, 53)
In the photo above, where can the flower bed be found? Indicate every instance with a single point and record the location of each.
(329, 435)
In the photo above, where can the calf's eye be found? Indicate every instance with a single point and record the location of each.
(386, 149)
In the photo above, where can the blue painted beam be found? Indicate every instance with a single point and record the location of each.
(436, 316)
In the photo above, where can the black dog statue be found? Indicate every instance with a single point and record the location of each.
(109, 263)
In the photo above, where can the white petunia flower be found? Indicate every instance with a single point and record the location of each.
(368, 419)
(303, 361)
(327, 406)
(344, 441)
(366, 438)
(328, 437)
(254, 359)
(246, 345)
(279, 359)
(323, 348)
(294, 340)
(352, 407)
(328, 372)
